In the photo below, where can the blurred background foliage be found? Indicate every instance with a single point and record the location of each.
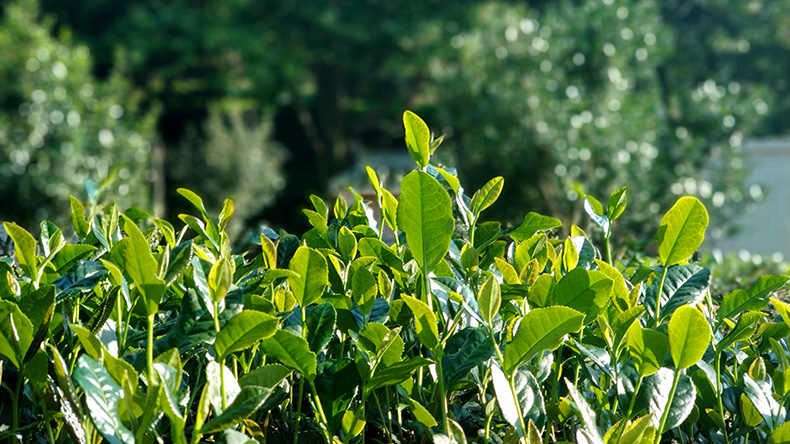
(265, 102)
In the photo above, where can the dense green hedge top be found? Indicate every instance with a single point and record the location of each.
(458, 331)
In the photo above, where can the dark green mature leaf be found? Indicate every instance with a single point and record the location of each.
(292, 351)
(689, 336)
(16, 332)
(583, 290)
(180, 258)
(425, 214)
(320, 326)
(463, 351)
(486, 196)
(684, 285)
(744, 329)
(102, 396)
(69, 254)
(142, 267)
(312, 275)
(244, 330)
(336, 383)
(24, 247)
(38, 307)
(532, 223)
(756, 298)
(541, 329)
(395, 373)
(424, 321)
(249, 399)
(682, 230)
(418, 138)
(489, 299)
(654, 397)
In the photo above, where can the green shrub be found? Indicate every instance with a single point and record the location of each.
(141, 331)
(61, 130)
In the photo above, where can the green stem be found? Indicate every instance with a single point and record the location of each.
(717, 364)
(221, 361)
(321, 415)
(608, 246)
(299, 409)
(658, 296)
(670, 397)
(119, 325)
(150, 349)
(509, 378)
(630, 407)
(17, 393)
(442, 398)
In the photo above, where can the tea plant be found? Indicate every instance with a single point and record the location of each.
(459, 331)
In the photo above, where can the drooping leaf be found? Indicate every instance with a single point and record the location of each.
(418, 138)
(761, 395)
(689, 336)
(16, 332)
(249, 399)
(312, 275)
(683, 285)
(744, 329)
(486, 196)
(586, 415)
(425, 214)
(463, 351)
(243, 330)
(541, 329)
(424, 321)
(102, 396)
(421, 414)
(682, 230)
(647, 348)
(292, 351)
(396, 373)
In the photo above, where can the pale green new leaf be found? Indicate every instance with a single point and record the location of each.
(532, 223)
(425, 214)
(312, 275)
(24, 247)
(489, 299)
(682, 230)
(418, 138)
(16, 332)
(486, 196)
(142, 267)
(689, 336)
(583, 289)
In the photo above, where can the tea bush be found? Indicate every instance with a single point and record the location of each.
(459, 331)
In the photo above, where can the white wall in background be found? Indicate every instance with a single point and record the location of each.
(766, 230)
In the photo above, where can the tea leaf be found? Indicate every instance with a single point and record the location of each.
(248, 400)
(750, 414)
(424, 321)
(756, 298)
(395, 373)
(312, 275)
(243, 330)
(586, 415)
(425, 215)
(24, 247)
(489, 298)
(636, 430)
(781, 434)
(647, 348)
(684, 285)
(463, 351)
(102, 396)
(655, 392)
(142, 267)
(617, 203)
(761, 395)
(418, 138)
(682, 230)
(220, 278)
(689, 336)
(486, 196)
(528, 397)
(346, 244)
(320, 325)
(420, 413)
(16, 332)
(583, 290)
(292, 351)
(532, 223)
(541, 329)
